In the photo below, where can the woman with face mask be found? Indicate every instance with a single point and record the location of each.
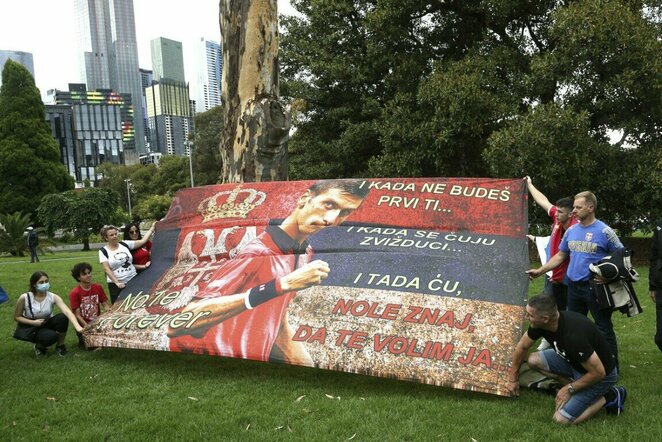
(35, 318)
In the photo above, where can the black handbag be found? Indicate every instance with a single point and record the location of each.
(26, 332)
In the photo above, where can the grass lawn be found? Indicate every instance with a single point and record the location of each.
(116, 394)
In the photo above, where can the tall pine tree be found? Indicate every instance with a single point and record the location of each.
(29, 156)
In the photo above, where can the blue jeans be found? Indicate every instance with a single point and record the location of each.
(581, 299)
(583, 399)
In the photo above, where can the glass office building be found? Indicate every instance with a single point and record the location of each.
(108, 54)
(91, 127)
(209, 66)
(24, 58)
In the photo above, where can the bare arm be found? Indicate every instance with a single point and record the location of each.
(111, 275)
(80, 318)
(537, 195)
(595, 372)
(64, 308)
(287, 350)
(144, 266)
(518, 357)
(141, 242)
(18, 314)
(221, 308)
(553, 263)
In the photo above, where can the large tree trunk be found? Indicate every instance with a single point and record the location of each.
(254, 144)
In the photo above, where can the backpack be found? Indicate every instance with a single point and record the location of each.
(105, 252)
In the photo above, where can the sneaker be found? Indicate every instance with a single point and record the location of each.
(61, 350)
(617, 406)
(40, 351)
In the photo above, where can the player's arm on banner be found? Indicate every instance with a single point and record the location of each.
(518, 357)
(222, 307)
(287, 350)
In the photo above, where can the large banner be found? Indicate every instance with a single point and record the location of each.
(415, 279)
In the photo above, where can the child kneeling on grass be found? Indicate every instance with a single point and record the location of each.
(86, 298)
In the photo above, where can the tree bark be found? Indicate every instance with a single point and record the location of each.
(257, 124)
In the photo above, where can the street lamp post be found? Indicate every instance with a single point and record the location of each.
(128, 195)
(190, 160)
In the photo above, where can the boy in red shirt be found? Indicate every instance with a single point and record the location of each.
(86, 297)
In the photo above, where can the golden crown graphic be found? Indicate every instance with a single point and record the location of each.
(238, 203)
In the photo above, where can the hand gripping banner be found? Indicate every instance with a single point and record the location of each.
(415, 279)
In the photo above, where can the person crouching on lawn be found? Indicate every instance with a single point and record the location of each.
(35, 318)
(579, 357)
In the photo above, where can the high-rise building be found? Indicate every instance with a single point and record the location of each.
(24, 58)
(146, 78)
(167, 59)
(169, 113)
(108, 53)
(208, 65)
(169, 117)
(91, 127)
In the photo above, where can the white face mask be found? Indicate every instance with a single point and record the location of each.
(43, 287)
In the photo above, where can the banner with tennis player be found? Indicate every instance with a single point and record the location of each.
(417, 279)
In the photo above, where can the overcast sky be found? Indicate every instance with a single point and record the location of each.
(46, 29)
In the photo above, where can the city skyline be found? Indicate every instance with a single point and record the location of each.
(55, 58)
(108, 56)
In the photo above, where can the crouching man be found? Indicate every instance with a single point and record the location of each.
(579, 358)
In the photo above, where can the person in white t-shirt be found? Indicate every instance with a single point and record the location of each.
(35, 319)
(116, 259)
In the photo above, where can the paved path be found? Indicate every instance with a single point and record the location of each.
(59, 248)
(76, 247)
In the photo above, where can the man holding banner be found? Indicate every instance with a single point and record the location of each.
(586, 243)
(245, 304)
(563, 218)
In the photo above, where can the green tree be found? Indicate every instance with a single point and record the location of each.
(451, 88)
(82, 211)
(12, 233)
(115, 176)
(603, 64)
(207, 155)
(29, 156)
(153, 207)
(171, 175)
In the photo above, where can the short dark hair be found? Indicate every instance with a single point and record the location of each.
(566, 203)
(80, 268)
(358, 188)
(544, 304)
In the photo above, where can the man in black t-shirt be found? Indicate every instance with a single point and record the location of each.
(579, 358)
